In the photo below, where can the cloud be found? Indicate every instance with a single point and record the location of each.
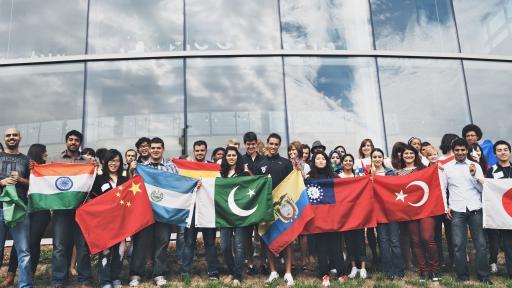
(484, 26)
(342, 24)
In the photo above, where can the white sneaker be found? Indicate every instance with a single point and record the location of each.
(288, 279)
(363, 274)
(160, 280)
(333, 272)
(134, 282)
(272, 277)
(117, 284)
(353, 273)
(494, 268)
(326, 281)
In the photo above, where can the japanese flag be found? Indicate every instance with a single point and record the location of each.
(497, 203)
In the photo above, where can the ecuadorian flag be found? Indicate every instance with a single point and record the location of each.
(292, 211)
(197, 170)
(172, 196)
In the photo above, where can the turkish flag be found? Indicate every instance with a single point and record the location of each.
(340, 204)
(112, 217)
(409, 197)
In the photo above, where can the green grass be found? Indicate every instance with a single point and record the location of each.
(302, 280)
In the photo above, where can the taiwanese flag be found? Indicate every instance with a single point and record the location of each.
(112, 217)
(197, 170)
(409, 197)
(340, 204)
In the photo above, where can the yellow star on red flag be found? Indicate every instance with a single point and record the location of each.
(135, 188)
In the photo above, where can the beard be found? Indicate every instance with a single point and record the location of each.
(12, 147)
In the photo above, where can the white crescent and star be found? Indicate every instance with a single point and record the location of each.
(237, 210)
(426, 192)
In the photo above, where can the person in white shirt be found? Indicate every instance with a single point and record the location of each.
(463, 179)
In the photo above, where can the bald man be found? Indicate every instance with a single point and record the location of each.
(14, 170)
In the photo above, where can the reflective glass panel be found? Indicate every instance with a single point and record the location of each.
(30, 29)
(489, 86)
(334, 100)
(131, 99)
(134, 26)
(417, 25)
(232, 24)
(326, 24)
(43, 102)
(484, 26)
(422, 98)
(227, 97)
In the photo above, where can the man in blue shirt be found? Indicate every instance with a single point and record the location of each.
(159, 233)
(464, 178)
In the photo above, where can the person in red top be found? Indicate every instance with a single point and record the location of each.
(422, 231)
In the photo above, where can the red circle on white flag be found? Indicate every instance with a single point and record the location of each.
(506, 200)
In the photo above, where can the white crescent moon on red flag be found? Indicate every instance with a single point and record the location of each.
(426, 192)
(235, 209)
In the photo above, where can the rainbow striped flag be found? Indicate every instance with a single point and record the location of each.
(197, 170)
(59, 185)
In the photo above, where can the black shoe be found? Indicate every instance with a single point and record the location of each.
(213, 277)
(486, 281)
(423, 276)
(462, 279)
(435, 276)
(251, 270)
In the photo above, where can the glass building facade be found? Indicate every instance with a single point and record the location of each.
(331, 70)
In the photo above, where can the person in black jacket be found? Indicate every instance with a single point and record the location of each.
(502, 170)
(328, 244)
(278, 168)
(110, 261)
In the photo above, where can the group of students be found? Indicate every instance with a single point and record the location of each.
(340, 255)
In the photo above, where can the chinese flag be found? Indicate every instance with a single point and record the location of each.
(112, 217)
(409, 197)
(340, 204)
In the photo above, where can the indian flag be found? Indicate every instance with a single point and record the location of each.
(59, 185)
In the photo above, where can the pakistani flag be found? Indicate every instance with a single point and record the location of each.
(234, 202)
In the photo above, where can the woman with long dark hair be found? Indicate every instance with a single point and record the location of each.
(389, 233)
(422, 231)
(39, 220)
(232, 165)
(110, 260)
(356, 250)
(328, 244)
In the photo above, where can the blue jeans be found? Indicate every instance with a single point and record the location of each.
(21, 236)
(66, 232)
(180, 242)
(460, 223)
(235, 264)
(391, 255)
(507, 246)
(109, 265)
(209, 246)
